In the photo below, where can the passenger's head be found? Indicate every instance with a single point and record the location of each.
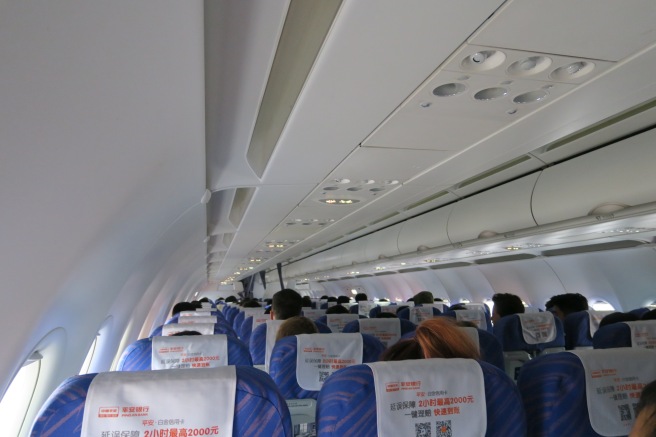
(184, 333)
(649, 315)
(204, 299)
(286, 303)
(506, 304)
(441, 337)
(360, 297)
(403, 350)
(337, 309)
(382, 315)
(423, 297)
(295, 326)
(343, 299)
(231, 299)
(182, 306)
(332, 299)
(617, 317)
(250, 303)
(307, 302)
(645, 424)
(564, 304)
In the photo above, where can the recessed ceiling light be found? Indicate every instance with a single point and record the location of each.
(572, 71)
(529, 66)
(491, 93)
(342, 181)
(483, 60)
(531, 96)
(450, 89)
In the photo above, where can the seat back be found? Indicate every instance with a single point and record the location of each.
(219, 328)
(259, 407)
(406, 327)
(284, 358)
(553, 389)
(640, 333)
(138, 355)
(516, 349)
(347, 403)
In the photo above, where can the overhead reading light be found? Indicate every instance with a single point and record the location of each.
(529, 66)
(531, 96)
(339, 201)
(483, 60)
(572, 71)
(449, 89)
(491, 93)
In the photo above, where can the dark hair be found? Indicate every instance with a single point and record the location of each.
(360, 297)
(403, 350)
(307, 302)
(337, 309)
(332, 299)
(382, 315)
(296, 325)
(231, 299)
(506, 304)
(287, 303)
(568, 303)
(649, 315)
(343, 299)
(617, 317)
(204, 299)
(183, 333)
(182, 306)
(250, 303)
(423, 297)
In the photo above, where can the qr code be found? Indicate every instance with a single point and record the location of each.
(444, 428)
(625, 412)
(323, 376)
(423, 429)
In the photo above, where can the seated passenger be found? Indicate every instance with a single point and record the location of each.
(337, 309)
(617, 317)
(649, 315)
(423, 297)
(506, 304)
(645, 424)
(343, 299)
(182, 306)
(307, 302)
(383, 315)
(250, 303)
(563, 304)
(183, 333)
(361, 297)
(295, 326)
(286, 304)
(434, 338)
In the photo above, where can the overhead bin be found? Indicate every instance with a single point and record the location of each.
(499, 210)
(599, 182)
(428, 230)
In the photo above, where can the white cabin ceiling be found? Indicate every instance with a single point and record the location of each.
(364, 115)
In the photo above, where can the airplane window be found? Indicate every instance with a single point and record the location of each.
(465, 301)
(18, 397)
(87, 361)
(489, 304)
(602, 305)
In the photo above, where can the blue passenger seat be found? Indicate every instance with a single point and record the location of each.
(259, 407)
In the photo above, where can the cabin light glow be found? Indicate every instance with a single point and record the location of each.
(602, 305)
(354, 291)
(17, 398)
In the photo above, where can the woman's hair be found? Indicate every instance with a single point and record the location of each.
(403, 350)
(296, 325)
(647, 407)
(441, 337)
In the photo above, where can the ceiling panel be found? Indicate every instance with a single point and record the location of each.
(595, 29)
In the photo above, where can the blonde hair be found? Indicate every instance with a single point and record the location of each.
(441, 337)
(296, 325)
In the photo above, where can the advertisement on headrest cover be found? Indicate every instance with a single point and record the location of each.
(420, 313)
(189, 352)
(594, 318)
(320, 355)
(272, 327)
(538, 328)
(643, 333)
(176, 328)
(336, 322)
(388, 331)
(168, 402)
(431, 397)
(313, 314)
(614, 379)
(364, 307)
(475, 316)
(197, 319)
